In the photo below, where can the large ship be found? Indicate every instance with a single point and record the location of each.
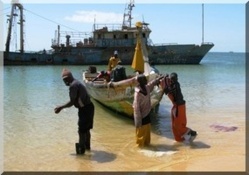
(96, 47)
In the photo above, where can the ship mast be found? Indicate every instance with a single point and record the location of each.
(127, 15)
(12, 15)
(202, 23)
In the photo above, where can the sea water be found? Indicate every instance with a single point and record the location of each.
(37, 139)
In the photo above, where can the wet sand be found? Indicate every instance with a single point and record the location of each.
(113, 144)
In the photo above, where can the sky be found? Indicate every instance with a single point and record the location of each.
(170, 21)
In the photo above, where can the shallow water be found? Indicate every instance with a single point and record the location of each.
(36, 139)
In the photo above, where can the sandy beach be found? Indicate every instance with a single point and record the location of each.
(220, 146)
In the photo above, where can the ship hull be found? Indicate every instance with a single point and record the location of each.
(15, 58)
(160, 54)
(179, 54)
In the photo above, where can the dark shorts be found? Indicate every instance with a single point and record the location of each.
(86, 115)
(146, 120)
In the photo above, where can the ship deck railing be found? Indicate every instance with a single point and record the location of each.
(168, 44)
(107, 27)
(164, 44)
(35, 52)
(208, 43)
(116, 27)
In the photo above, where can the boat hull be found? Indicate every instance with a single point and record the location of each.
(119, 98)
(15, 58)
(160, 54)
(179, 54)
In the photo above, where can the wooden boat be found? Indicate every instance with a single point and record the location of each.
(118, 96)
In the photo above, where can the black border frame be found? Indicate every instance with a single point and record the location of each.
(159, 173)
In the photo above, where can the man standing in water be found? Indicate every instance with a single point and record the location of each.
(142, 109)
(81, 100)
(178, 112)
